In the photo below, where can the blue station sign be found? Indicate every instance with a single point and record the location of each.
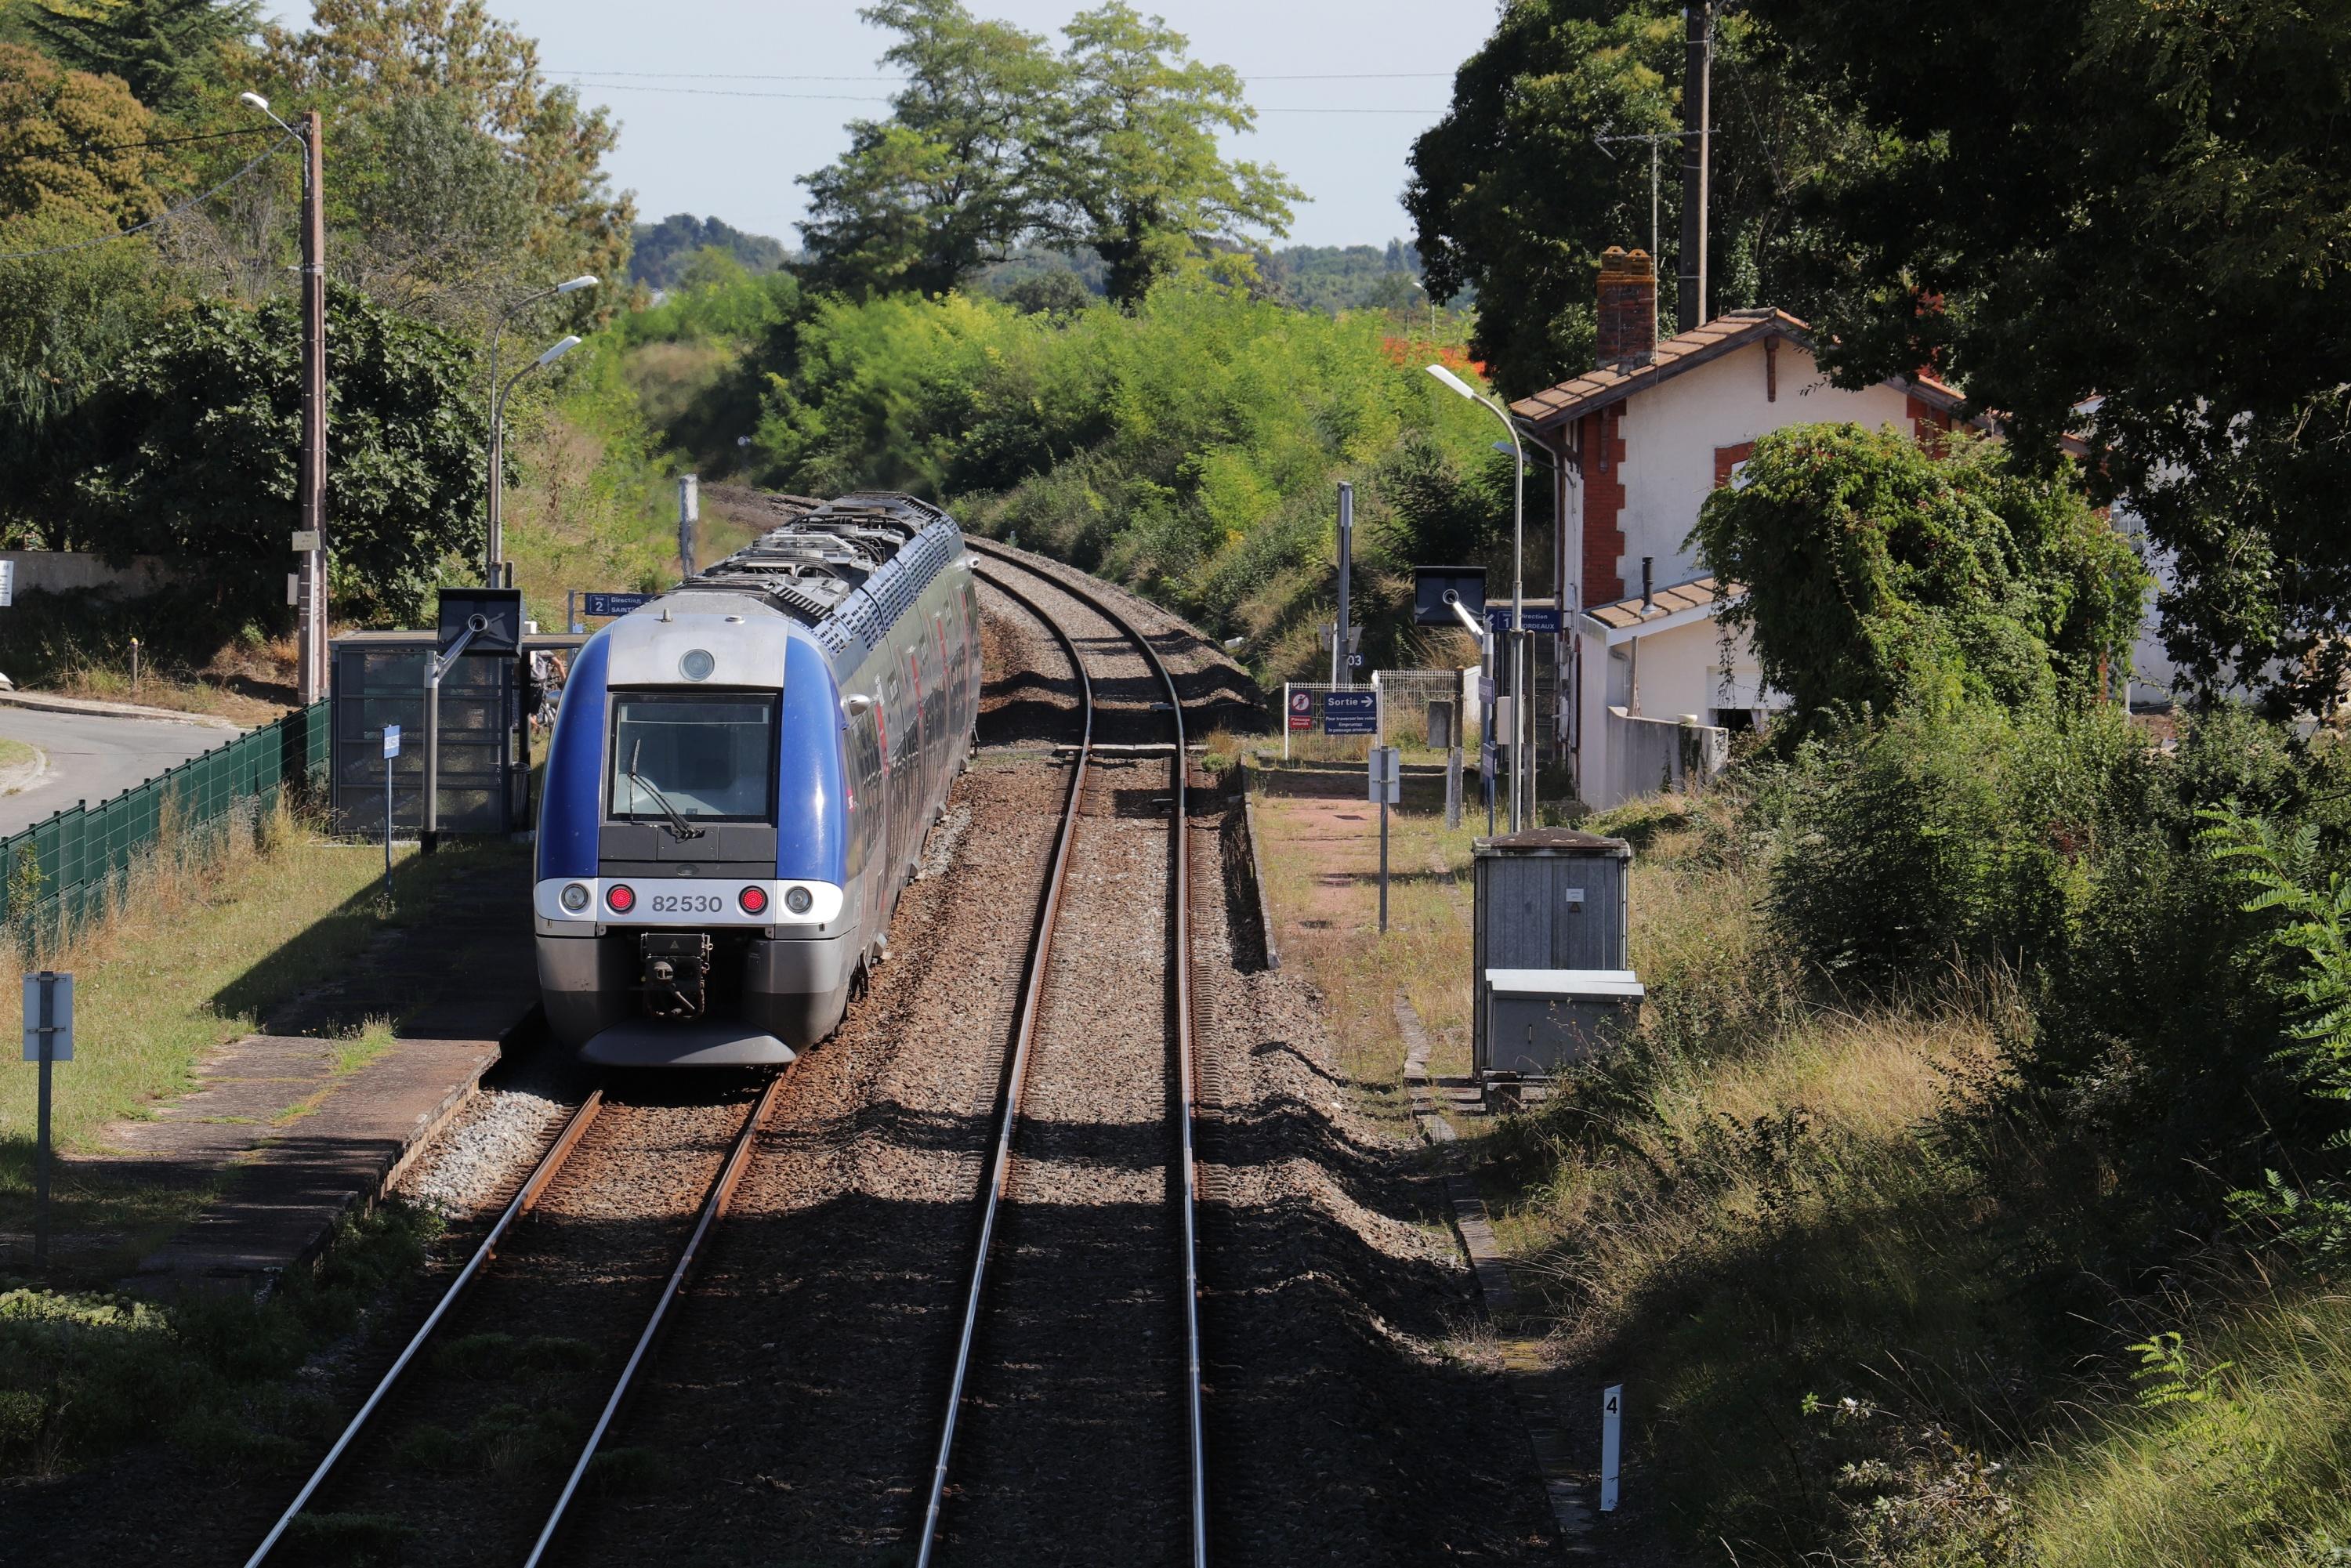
(1352, 711)
(613, 603)
(1540, 617)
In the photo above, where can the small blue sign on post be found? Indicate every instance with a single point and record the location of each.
(1540, 617)
(48, 1040)
(610, 604)
(391, 750)
(1351, 711)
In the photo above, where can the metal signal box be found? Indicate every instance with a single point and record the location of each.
(1550, 970)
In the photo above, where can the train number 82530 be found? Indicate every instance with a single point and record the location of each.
(686, 904)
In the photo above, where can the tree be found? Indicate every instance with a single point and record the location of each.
(68, 144)
(1879, 573)
(366, 56)
(425, 205)
(1136, 173)
(69, 172)
(1513, 198)
(996, 140)
(166, 51)
(2146, 205)
(663, 251)
(190, 449)
(949, 183)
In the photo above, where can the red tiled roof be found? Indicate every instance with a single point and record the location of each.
(1686, 351)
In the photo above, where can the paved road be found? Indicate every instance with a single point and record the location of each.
(91, 758)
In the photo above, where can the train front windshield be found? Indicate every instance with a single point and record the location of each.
(709, 757)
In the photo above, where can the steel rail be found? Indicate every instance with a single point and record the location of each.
(528, 1194)
(714, 1209)
(1180, 978)
(1032, 994)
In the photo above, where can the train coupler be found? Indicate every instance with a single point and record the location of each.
(676, 973)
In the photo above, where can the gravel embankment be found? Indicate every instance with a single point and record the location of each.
(1073, 1448)
(797, 1398)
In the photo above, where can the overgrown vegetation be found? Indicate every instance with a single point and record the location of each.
(87, 1375)
(1974, 1190)
(1189, 445)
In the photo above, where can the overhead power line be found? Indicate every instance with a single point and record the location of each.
(856, 98)
(165, 217)
(875, 77)
(177, 140)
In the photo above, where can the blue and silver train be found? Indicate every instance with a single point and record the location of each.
(741, 775)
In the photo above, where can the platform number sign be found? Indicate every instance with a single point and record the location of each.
(1612, 1422)
(1301, 710)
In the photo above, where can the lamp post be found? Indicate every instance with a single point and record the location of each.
(497, 438)
(494, 541)
(1520, 770)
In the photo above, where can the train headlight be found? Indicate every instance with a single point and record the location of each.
(752, 899)
(622, 897)
(575, 896)
(697, 664)
(797, 900)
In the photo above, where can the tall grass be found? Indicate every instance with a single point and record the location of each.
(209, 929)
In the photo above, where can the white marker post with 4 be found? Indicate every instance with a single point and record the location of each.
(1612, 1425)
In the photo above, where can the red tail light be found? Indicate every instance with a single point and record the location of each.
(754, 900)
(622, 897)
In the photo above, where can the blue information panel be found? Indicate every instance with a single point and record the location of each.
(613, 603)
(1356, 712)
(1540, 617)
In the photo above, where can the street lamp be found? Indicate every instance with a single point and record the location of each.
(493, 539)
(497, 440)
(1518, 768)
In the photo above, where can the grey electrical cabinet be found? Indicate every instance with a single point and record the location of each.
(1550, 971)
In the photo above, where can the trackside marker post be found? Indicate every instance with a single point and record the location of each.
(1386, 788)
(48, 1040)
(1611, 1423)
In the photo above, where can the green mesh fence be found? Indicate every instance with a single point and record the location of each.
(59, 871)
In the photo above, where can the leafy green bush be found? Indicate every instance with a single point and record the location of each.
(1189, 447)
(1881, 574)
(188, 450)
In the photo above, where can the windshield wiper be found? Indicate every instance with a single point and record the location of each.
(678, 824)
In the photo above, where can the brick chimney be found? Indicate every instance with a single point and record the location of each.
(1628, 307)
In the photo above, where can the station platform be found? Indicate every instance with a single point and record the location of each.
(294, 1138)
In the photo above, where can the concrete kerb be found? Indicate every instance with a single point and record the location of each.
(1257, 874)
(94, 708)
(1523, 1367)
(25, 775)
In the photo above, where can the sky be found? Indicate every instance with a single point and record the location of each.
(707, 127)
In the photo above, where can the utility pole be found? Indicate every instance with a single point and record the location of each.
(311, 665)
(1698, 124)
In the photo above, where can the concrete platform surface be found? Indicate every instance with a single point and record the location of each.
(293, 1136)
(284, 1200)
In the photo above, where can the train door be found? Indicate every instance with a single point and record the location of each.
(870, 807)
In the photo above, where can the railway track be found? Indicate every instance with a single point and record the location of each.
(1051, 1405)
(545, 1176)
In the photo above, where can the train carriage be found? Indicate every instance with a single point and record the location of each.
(741, 775)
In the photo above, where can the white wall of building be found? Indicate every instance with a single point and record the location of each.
(1671, 431)
(1684, 669)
